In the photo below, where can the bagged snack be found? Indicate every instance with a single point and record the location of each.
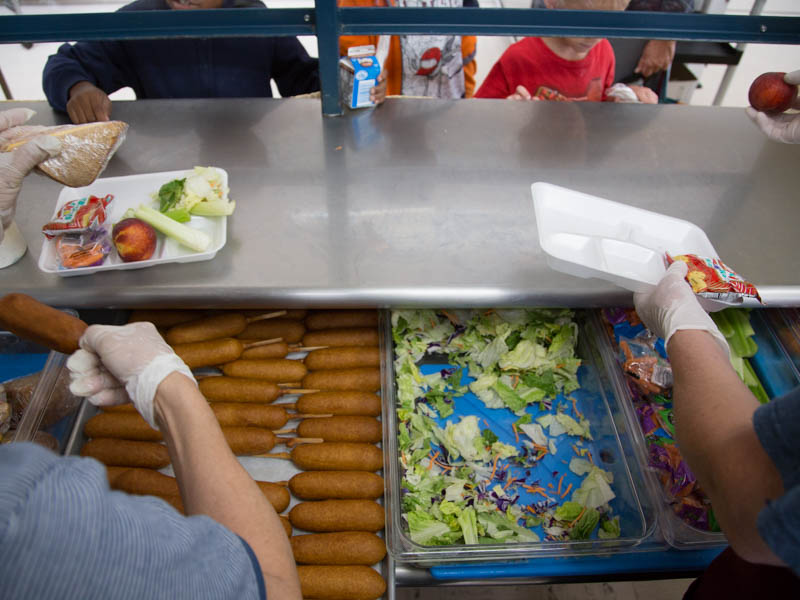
(87, 249)
(712, 279)
(78, 216)
(85, 149)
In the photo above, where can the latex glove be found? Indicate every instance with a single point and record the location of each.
(88, 103)
(672, 306)
(118, 364)
(656, 56)
(784, 127)
(16, 164)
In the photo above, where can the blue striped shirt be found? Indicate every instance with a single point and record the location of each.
(65, 534)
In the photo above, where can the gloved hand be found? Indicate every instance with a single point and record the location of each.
(673, 306)
(134, 356)
(16, 164)
(782, 127)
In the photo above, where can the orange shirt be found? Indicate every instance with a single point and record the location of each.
(393, 66)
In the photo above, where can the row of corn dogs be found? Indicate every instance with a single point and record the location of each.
(337, 487)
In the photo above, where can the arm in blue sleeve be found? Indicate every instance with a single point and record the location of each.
(103, 64)
(777, 425)
(293, 70)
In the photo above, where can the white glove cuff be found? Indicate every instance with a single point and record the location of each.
(710, 328)
(142, 389)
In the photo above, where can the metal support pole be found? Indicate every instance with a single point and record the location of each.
(758, 6)
(327, 25)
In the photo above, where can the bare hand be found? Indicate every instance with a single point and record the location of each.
(88, 103)
(378, 93)
(656, 56)
(644, 94)
(521, 93)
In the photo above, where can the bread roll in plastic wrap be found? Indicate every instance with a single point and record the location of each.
(85, 149)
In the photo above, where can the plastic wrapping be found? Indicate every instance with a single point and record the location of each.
(85, 149)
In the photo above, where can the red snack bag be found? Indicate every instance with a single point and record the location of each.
(77, 216)
(711, 278)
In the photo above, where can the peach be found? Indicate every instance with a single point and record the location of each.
(134, 240)
(770, 93)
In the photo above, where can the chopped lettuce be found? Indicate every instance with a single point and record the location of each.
(595, 490)
(585, 525)
(609, 529)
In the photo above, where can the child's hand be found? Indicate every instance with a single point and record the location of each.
(378, 93)
(521, 93)
(644, 94)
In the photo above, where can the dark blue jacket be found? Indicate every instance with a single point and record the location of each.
(183, 68)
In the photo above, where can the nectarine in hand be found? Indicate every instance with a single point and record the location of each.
(769, 93)
(134, 240)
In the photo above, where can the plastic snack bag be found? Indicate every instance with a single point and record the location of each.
(712, 279)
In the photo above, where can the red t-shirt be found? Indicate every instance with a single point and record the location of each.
(547, 76)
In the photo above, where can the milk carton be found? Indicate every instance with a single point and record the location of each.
(358, 74)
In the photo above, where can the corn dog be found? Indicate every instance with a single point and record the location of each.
(245, 441)
(356, 336)
(341, 319)
(342, 429)
(343, 357)
(336, 485)
(337, 456)
(238, 389)
(287, 526)
(210, 352)
(277, 495)
(296, 314)
(206, 328)
(342, 548)
(112, 473)
(338, 515)
(271, 369)
(127, 453)
(211, 328)
(121, 425)
(352, 582)
(165, 318)
(290, 330)
(276, 350)
(242, 414)
(31, 320)
(361, 379)
(339, 403)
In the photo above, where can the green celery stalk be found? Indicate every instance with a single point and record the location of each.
(218, 208)
(191, 238)
(751, 381)
(723, 323)
(181, 215)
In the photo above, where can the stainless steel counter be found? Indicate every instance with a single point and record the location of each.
(427, 202)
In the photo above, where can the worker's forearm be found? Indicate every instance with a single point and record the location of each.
(213, 483)
(714, 428)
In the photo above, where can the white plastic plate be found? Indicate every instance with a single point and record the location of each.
(587, 236)
(130, 192)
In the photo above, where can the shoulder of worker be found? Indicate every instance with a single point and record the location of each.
(58, 518)
(662, 5)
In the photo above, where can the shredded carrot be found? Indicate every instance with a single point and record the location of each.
(516, 433)
(591, 460)
(578, 518)
(538, 447)
(566, 491)
(560, 481)
(486, 423)
(508, 483)
(494, 467)
(541, 492)
(575, 448)
(452, 318)
(550, 485)
(575, 410)
(515, 381)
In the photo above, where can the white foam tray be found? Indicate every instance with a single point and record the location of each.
(129, 192)
(588, 236)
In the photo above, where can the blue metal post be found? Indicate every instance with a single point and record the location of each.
(327, 25)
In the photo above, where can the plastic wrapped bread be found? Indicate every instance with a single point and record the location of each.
(85, 149)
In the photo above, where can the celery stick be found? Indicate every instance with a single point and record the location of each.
(191, 238)
(218, 208)
(181, 215)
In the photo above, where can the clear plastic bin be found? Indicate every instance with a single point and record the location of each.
(775, 372)
(49, 408)
(610, 427)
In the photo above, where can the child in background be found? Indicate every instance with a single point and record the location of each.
(565, 69)
(439, 66)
